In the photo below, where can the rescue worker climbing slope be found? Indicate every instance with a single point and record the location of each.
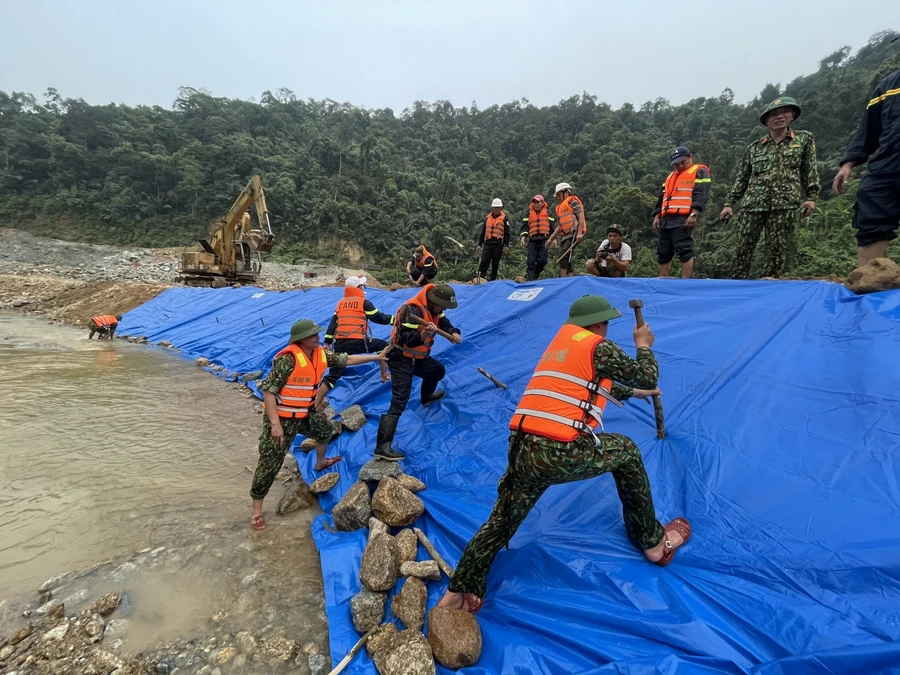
(536, 229)
(571, 226)
(411, 356)
(553, 440)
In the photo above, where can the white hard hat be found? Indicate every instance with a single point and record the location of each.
(356, 282)
(562, 186)
(496, 204)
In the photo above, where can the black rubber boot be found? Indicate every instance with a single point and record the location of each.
(387, 425)
(434, 398)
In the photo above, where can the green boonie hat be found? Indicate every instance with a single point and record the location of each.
(303, 329)
(443, 296)
(614, 228)
(590, 309)
(782, 102)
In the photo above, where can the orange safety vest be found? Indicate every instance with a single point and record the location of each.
(421, 303)
(538, 222)
(564, 396)
(298, 394)
(679, 190)
(352, 323)
(420, 262)
(493, 227)
(104, 320)
(565, 215)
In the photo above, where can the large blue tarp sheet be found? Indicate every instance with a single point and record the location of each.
(783, 420)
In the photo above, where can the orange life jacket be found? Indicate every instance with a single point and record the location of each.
(493, 226)
(564, 396)
(538, 222)
(421, 303)
(420, 262)
(105, 320)
(352, 323)
(679, 190)
(565, 215)
(298, 394)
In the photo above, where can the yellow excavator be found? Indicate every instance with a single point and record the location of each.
(231, 253)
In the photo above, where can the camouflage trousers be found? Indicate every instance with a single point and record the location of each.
(271, 456)
(780, 228)
(540, 463)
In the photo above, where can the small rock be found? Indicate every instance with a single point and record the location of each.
(126, 604)
(202, 362)
(318, 664)
(378, 569)
(307, 444)
(411, 483)
(250, 579)
(106, 605)
(367, 609)
(406, 653)
(454, 636)
(396, 505)
(310, 648)
(23, 633)
(53, 582)
(57, 612)
(46, 608)
(409, 604)
(46, 597)
(225, 655)
(423, 570)
(246, 377)
(245, 642)
(117, 626)
(276, 650)
(354, 509)
(325, 483)
(297, 496)
(164, 343)
(376, 469)
(76, 598)
(94, 628)
(881, 274)
(407, 546)
(377, 527)
(353, 418)
(6, 652)
(219, 616)
(217, 368)
(57, 633)
(381, 638)
(290, 464)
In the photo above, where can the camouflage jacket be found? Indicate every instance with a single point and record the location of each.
(284, 366)
(777, 176)
(610, 361)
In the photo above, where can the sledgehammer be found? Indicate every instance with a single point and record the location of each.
(636, 305)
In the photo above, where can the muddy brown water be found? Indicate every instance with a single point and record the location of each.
(124, 465)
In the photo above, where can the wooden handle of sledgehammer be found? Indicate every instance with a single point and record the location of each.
(412, 318)
(657, 402)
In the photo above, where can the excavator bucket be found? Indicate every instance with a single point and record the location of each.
(258, 240)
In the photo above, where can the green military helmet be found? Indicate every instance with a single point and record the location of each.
(781, 102)
(303, 329)
(590, 309)
(443, 296)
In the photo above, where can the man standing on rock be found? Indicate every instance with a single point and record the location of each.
(571, 226)
(493, 240)
(417, 320)
(348, 331)
(537, 228)
(554, 441)
(105, 325)
(289, 395)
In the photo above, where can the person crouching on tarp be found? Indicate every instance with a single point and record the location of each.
(553, 441)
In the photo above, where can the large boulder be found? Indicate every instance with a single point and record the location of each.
(354, 509)
(325, 483)
(406, 653)
(353, 418)
(378, 569)
(409, 604)
(376, 469)
(396, 505)
(411, 483)
(427, 569)
(454, 636)
(297, 496)
(407, 545)
(367, 609)
(881, 274)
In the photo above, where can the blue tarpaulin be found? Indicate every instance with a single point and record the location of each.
(783, 429)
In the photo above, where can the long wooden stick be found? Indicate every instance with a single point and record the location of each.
(359, 645)
(497, 383)
(568, 251)
(432, 551)
(412, 318)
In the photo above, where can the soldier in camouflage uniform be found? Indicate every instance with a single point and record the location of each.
(278, 431)
(778, 182)
(536, 462)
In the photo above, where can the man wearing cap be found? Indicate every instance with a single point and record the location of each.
(554, 440)
(612, 257)
(105, 325)
(422, 268)
(876, 213)
(779, 183)
(682, 199)
(493, 240)
(348, 331)
(536, 229)
(415, 325)
(289, 395)
(571, 226)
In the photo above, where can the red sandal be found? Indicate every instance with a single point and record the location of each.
(329, 462)
(682, 527)
(472, 603)
(258, 522)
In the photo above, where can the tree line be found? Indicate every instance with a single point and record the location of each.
(339, 177)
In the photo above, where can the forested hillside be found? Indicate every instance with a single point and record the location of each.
(385, 182)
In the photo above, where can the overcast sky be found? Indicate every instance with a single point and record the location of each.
(389, 53)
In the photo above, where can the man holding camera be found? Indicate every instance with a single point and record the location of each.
(613, 256)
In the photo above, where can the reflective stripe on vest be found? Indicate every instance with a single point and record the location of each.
(678, 191)
(564, 397)
(421, 303)
(352, 323)
(493, 227)
(105, 320)
(538, 222)
(298, 394)
(420, 262)
(565, 215)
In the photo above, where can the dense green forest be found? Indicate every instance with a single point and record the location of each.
(335, 173)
